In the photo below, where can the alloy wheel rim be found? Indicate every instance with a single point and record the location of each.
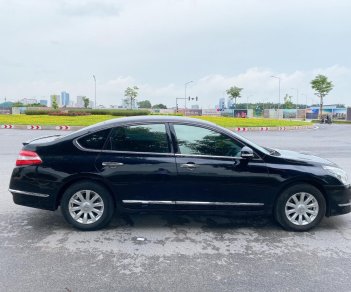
(301, 208)
(86, 207)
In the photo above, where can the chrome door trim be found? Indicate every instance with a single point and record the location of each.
(28, 193)
(112, 164)
(208, 156)
(148, 202)
(189, 203)
(345, 205)
(217, 203)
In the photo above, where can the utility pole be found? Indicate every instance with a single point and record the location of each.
(278, 94)
(95, 89)
(185, 86)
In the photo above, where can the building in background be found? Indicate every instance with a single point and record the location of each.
(27, 101)
(221, 104)
(43, 102)
(195, 106)
(80, 102)
(64, 99)
(57, 97)
(91, 104)
(230, 103)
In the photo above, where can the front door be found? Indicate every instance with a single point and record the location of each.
(212, 173)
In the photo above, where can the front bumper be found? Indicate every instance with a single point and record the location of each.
(338, 199)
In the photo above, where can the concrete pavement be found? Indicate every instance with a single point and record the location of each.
(40, 252)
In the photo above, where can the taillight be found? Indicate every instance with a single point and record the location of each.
(26, 157)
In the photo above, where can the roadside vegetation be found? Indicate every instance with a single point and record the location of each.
(86, 120)
(80, 112)
(229, 122)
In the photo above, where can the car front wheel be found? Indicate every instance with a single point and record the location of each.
(300, 207)
(87, 206)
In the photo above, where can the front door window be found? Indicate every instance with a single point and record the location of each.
(200, 141)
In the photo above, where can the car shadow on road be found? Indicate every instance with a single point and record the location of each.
(207, 221)
(45, 221)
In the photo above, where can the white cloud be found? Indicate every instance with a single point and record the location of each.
(50, 46)
(257, 85)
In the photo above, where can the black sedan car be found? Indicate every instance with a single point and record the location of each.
(174, 164)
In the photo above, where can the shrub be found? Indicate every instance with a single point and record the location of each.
(71, 113)
(113, 112)
(128, 113)
(37, 112)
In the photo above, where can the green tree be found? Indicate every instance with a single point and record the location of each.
(86, 102)
(322, 86)
(160, 106)
(234, 93)
(144, 104)
(54, 104)
(17, 104)
(131, 93)
(287, 102)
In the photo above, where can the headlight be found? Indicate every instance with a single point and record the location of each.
(338, 173)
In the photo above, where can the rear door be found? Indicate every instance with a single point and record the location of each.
(212, 173)
(139, 162)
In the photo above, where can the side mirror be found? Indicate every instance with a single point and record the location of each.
(247, 152)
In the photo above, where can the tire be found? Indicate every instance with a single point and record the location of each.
(300, 207)
(87, 206)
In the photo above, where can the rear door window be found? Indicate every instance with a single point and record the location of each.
(150, 138)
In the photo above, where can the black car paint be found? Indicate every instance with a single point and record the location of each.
(150, 176)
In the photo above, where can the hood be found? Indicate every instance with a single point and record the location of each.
(303, 157)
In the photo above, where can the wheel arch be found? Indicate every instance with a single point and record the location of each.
(315, 183)
(85, 177)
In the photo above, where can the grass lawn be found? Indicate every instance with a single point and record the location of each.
(45, 120)
(229, 122)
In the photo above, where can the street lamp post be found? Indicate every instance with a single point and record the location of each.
(278, 93)
(247, 102)
(297, 97)
(95, 89)
(304, 94)
(185, 86)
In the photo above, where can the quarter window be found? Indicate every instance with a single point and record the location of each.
(141, 138)
(95, 140)
(201, 141)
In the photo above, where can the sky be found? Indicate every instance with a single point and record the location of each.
(49, 46)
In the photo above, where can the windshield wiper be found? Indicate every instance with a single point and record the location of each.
(272, 151)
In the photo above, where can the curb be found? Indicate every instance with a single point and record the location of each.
(287, 128)
(39, 127)
(75, 128)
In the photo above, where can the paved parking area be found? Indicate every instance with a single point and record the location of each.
(40, 252)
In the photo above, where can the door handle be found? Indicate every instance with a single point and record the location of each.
(112, 164)
(189, 165)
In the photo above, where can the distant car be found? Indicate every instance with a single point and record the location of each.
(174, 164)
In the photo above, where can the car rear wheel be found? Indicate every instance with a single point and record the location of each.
(300, 207)
(87, 206)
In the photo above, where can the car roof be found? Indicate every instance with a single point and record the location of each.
(153, 118)
(138, 119)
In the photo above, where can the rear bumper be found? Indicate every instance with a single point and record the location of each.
(29, 190)
(30, 199)
(339, 200)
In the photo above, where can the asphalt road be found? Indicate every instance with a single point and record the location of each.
(40, 252)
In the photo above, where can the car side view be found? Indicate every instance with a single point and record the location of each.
(167, 163)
